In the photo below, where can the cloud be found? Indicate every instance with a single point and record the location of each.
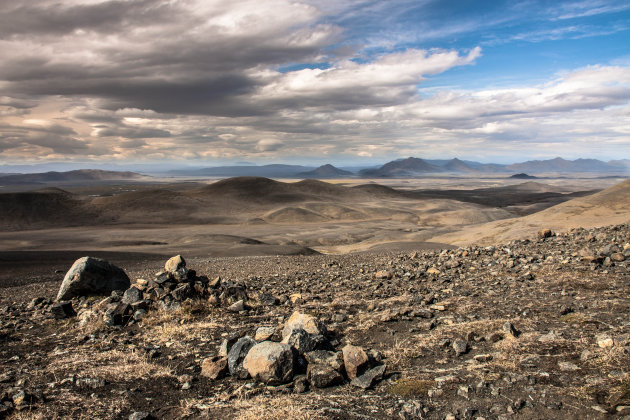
(136, 80)
(37, 138)
(269, 145)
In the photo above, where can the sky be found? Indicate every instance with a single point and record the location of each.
(208, 82)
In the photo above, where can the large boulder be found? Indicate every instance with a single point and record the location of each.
(92, 276)
(269, 362)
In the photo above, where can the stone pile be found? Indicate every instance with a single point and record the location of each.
(298, 353)
(130, 302)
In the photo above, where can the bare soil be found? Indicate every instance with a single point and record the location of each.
(568, 357)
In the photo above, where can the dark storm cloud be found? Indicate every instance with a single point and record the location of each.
(132, 132)
(57, 138)
(58, 19)
(164, 56)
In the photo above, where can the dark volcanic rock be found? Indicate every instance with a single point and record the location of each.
(237, 354)
(323, 375)
(369, 378)
(132, 295)
(61, 310)
(92, 276)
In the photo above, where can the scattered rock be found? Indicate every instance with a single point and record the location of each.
(215, 367)
(264, 333)
(140, 415)
(460, 347)
(604, 341)
(355, 360)
(237, 354)
(132, 295)
(308, 323)
(269, 362)
(369, 378)
(176, 266)
(62, 310)
(237, 306)
(323, 375)
(302, 341)
(324, 357)
(510, 330)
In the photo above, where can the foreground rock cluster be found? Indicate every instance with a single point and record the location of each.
(534, 328)
(302, 348)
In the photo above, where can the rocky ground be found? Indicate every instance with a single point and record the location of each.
(536, 328)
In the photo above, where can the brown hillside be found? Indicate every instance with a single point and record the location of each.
(606, 207)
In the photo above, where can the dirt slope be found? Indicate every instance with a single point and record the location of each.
(610, 206)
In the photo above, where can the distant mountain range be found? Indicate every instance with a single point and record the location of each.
(326, 171)
(269, 171)
(412, 166)
(81, 175)
(400, 168)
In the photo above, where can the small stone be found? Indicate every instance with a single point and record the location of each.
(237, 354)
(132, 295)
(460, 347)
(509, 329)
(355, 360)
(175, 265)
(92, 276)
(623, 410)
(183, 292)
(267, 299)
(339, 318)
(140, 415)
(215, 367)
(324, 357)
(545, 233)
(296, 298)
(549, 337)
(464, 391)
(300, 384)
(604, 341)
(323, 375)
(369, 378)
(568, 366)
(617, 257)
(435, 392)
(599, 409)
(302, 341)
(433, 271)
(308, 323)
(264, 333)
(62, 310)
(227, 344)
(483, 358)
(237, 306)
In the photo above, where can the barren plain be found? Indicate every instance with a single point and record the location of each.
(474, 312)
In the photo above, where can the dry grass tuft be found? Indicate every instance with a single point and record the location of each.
(576, 318)
(114, 365)
(411, 387)
(285, 407)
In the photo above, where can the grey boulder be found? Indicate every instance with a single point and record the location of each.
(92, 276)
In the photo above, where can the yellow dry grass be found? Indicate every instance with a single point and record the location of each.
(284, 407)
(114, 365)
